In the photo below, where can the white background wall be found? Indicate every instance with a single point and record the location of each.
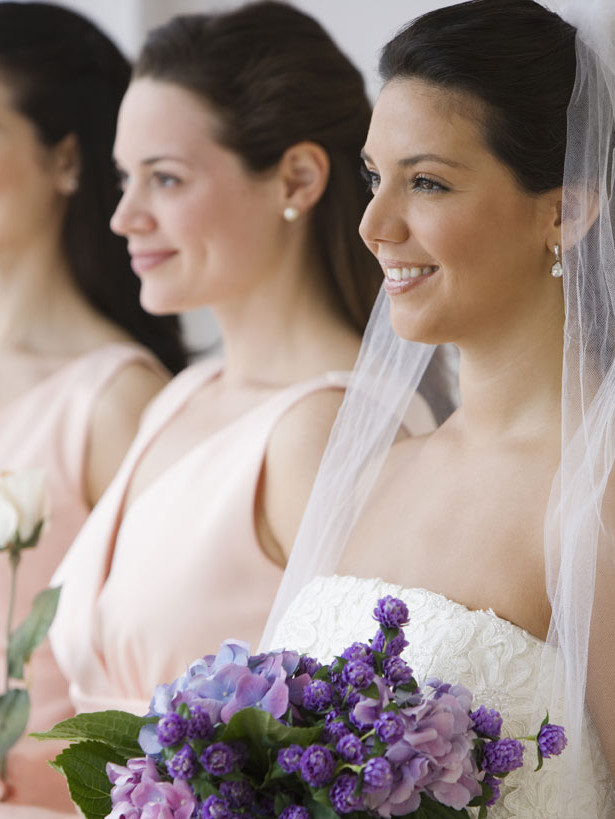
(360, 27)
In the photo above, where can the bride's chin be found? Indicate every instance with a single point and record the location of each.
(412, 329)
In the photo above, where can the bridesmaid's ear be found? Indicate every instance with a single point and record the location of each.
(67, 164)
(304, 171)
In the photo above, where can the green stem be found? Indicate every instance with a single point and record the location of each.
(14, 558)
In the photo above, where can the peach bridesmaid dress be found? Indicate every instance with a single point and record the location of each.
(47, 427)
(184, 570)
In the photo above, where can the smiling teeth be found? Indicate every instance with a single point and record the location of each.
(398, 274)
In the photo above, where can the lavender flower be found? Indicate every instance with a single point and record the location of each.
(317, 765)
(182, 765)
(358, 674)
(389, 727)
(216, 808)
(290, 758)
(239, 794)
(359, 651)
(171, 729)
(494, 784)
(308, 665)
(351, 749)
(295, 812)
(393, 647)
(334, 728)
(377, 774)
(342, 794)
(502, 756)
(199, 724)
(391, 612)
(317, 695)
(137, 791)
(487, 721)
(396, 671)
(551, 740)
(218, 759)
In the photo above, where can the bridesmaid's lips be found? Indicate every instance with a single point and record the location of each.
(142, 262)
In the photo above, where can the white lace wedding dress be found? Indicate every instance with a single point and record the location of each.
(495, 659)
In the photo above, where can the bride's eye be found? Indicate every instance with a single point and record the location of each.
(371, 177)
(425, 184)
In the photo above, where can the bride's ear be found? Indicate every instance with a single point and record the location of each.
(574, 211)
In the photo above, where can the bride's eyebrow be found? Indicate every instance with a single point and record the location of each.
(410, 161)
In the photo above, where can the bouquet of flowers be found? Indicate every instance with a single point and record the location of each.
(279, 735)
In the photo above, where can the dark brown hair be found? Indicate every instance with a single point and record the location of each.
(274, 78)
(67, 77)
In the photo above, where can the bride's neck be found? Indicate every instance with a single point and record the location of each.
(510, 386)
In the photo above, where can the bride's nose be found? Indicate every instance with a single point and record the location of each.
(382, 222)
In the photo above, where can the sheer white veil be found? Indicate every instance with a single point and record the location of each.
(580, 519)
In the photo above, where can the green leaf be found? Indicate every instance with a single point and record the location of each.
(32, 631)
(14, 713)
(260, 731)
(434, 810)
(117, 729)
(84, 765)
(371, 691)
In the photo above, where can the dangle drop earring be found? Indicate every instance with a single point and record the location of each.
(557, 271)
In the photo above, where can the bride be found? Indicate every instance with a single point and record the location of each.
(488, 157)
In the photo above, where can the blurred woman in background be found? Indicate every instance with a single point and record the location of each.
(79, 357)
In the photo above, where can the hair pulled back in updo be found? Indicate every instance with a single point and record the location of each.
(513, 56)
(274, 77)
(67, 77)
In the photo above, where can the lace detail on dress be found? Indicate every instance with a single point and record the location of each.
(496, 660)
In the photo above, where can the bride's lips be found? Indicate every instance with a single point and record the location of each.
(399, 277)
(141, 262)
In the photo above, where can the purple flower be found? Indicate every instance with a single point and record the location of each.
(216, 808)
(334, 727)
(358, 674)
(351, 749)
(252, 690)
(317, 695)
(342, 794)
(171, 729)
(137, 791)
(295, 812)
(218, 759)
(393, 647)
(487, 721)
(396, 671)
(199, 724)
(308, 665)
(290, 758)
(182, 765)
(239, 793)
(494, 784)
(377, 774)
(317, 765)
(551, 740)
(502, 756)
(391, 612)
(359, 651)
(389, 727)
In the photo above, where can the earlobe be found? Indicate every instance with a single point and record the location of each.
(304, 170)
(67, 165)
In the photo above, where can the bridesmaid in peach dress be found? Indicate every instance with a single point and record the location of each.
(79, 357)
(237, 145)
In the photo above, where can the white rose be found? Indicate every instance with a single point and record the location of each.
(22, 504)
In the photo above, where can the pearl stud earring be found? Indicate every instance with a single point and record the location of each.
(557, 271)
(290, 213)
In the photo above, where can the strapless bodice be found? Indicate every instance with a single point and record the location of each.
(498, 661)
